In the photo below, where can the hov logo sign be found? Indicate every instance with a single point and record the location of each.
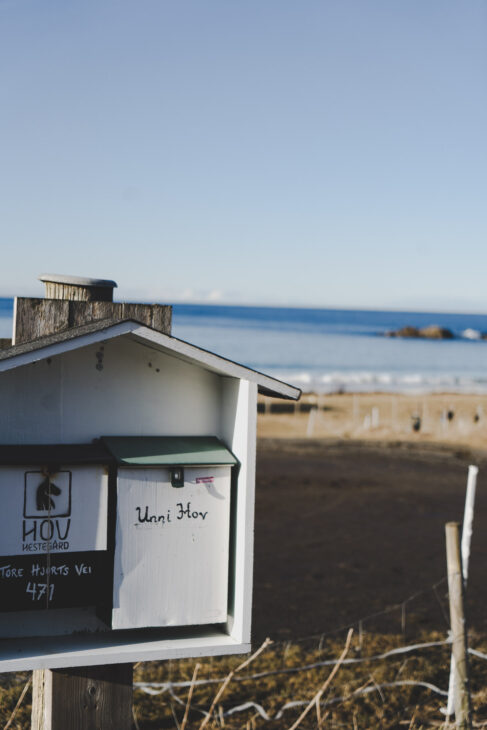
(47, 495)
(47, 499)
(42, 512)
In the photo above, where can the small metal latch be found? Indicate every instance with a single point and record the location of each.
(177, 476)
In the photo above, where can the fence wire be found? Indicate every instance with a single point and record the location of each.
(172, 688)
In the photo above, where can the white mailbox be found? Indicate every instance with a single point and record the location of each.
(172, 536)
(127, 476)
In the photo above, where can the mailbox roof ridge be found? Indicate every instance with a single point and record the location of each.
(106, 329)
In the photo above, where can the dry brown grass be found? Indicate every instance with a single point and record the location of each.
(356, 698)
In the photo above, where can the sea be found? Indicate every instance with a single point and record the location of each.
(335, 350)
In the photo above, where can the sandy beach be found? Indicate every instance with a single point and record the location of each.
(350, 519)
(436, 418)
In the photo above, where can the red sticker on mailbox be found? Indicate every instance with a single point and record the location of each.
(205, 480)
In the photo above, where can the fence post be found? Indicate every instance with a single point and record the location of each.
(311, 422)
(458, 627)
(465, 552)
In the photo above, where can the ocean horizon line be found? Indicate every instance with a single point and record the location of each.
(299, 307)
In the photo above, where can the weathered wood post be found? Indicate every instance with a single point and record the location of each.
(93, 697)
(72, 301)
(465, 551)
(83, 698)
(458, 626)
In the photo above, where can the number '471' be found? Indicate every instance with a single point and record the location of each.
(38, 590)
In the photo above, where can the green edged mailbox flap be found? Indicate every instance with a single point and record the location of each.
(169, 450)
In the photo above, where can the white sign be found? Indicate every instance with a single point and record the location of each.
(57, 512)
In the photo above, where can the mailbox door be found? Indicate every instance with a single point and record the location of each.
(171, 547)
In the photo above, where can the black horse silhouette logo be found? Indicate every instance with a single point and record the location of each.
(45, 490)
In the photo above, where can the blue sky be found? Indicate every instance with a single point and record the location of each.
(321, 153)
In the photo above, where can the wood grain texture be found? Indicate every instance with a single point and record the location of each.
(58, 290)
(34, 318)
(161, 318)
(458, 627)
(41, 690)
(81, 313)
(83, 698)
(156, 316)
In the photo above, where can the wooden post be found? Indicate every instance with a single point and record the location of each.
(84, 698)
(458, 627)
(34, 318)
(465, 553)
(72, 301)
(311, 421)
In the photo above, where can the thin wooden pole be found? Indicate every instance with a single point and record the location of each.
(311, 422)
(458, 627)
(468, 519)
(465, 552)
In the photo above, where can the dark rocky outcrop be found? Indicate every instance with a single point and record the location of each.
(432, 332)
(407, 331)
(435, 332)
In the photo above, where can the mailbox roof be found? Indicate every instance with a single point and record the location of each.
(168, 450)
(104, 330)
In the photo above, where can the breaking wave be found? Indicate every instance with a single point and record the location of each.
(371, 382)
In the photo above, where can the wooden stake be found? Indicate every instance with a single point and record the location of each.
(83, 698)
(311, 422)
(458, 627)
(465, 552)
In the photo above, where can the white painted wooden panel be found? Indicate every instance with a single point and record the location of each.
(172, 548)
(80, 651)
(119, 388)
(74, 520)
(31, 403)
(239, 424)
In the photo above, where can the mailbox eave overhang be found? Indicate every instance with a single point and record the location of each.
(147, 451)
(105, 330)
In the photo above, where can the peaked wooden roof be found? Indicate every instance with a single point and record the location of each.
(107, 329)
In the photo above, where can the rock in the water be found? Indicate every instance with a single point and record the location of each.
(432, 332)
(407, 331)
(435, 332)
